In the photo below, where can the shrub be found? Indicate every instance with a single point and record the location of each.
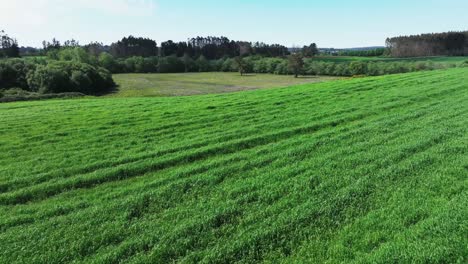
(76, 54)
(108, 62)
(59, 77)
(282, 68)
(229, 66)
(203, 64)
(170, 64)
(13, 73)
(357, 68)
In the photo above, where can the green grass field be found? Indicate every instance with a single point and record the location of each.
(368, 170)
(441, 59)
(176, 84)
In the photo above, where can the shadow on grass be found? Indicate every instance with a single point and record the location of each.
(112, 90)
(247, 75)
(308, 77)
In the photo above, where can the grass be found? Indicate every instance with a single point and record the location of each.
(368, 170)
(441, 59)
(131, 85)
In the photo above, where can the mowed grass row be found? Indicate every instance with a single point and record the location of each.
(365, 170)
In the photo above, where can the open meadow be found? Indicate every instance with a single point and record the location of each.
(176, 84)
(364, 170)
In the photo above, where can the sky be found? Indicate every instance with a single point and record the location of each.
(329, 23)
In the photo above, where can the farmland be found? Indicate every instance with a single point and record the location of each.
(130, 85)
(176, 84)
(365, 170)
(440, 59)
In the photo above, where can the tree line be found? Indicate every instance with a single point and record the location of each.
(8, 46)
(434, 44)
(364, 53)
(209, 47)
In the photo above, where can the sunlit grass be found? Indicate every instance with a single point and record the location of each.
(368, 170)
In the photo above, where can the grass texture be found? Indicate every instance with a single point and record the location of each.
(177, 84)
(368, 170)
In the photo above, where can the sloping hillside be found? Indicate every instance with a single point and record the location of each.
(364, 170)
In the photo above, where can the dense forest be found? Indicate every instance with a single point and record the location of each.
(435, 44)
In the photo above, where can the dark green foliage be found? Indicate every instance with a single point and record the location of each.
(357, 68)
(108, 62)
(17, 94)
(49, 79)
(170, 64)
(55, 77)
(433, 44)
(189, 64)
(133, 46)
(241, 64)
(169, 48)
(296, 64)
(370, 68)
(310, 51)
(364, 53)
(348, 66)
(8, 46)
(135, 65)
(76, 54)
(203, 64)
(14, 72)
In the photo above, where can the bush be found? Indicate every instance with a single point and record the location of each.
(171, 64)
(59, 77)
(13, 73)
(229, 66)
(18, 94)
(108, 62)
(282, 68)
(76, 54)
(357, 68)
(203, 64)
(189, 64)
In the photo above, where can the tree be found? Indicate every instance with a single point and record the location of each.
(188, 62)
(357, 67)
(309, 51)
(313, 49)
(241, 64)
(108, 62)
(436, 44)
(245, 48)
(203, 64)
(71, 43)
(8, 46)
(54, 45)
(132, 46)
(295, 64)
(95, 48)
(77, 54)
(168, 48)
(170, 64)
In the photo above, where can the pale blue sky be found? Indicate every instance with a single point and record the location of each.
(330, 23)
